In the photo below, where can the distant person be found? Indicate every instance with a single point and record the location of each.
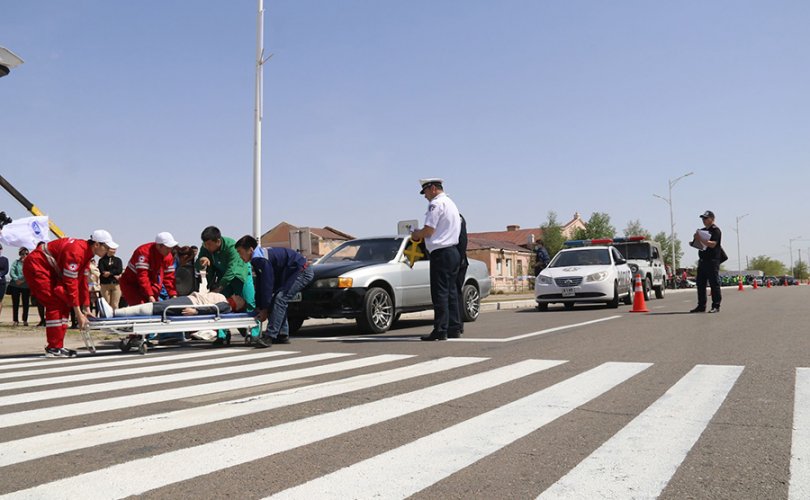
(55, 273)
(4, 268)
(18, 289)
(709, 261)
(150, 268)
(111, 269)
(280, 274)
(541, 257)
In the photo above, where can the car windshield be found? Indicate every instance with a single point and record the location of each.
(368, 250)
(584, 257)
(636, 251)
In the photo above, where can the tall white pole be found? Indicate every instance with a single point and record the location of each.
(257, 137)
(739, 258)
(672, 217)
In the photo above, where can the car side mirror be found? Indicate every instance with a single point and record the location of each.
(620, 262)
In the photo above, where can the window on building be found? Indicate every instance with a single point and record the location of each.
(498, 267)
(509, 267)
(520, 267)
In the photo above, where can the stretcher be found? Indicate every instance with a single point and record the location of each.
(136, 330)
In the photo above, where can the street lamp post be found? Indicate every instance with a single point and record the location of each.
(672, 183)
(739, 258)
(790, 242)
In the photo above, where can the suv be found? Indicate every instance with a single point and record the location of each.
(644, 258)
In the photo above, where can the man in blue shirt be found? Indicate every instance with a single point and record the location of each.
(279, 274)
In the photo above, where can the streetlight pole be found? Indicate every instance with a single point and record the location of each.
(790, 242)
(8, 61)
(672, 183)
(257, 126)
(739, 258)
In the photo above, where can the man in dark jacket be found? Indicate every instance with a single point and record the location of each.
(710, 257)
(279, 274)
(111, 268)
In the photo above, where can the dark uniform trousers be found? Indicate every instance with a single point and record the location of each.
(444, 263)
(708, 272)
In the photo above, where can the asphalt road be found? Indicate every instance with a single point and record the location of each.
(590, 403)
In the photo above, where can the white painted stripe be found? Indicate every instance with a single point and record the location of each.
(84, 358)
(639, 460)
(22, 450)
(139, 370)
(406, 470)
(116, 403)
(128, 360)
(142, 382)
(472, 339)
(172, 467)
(799, 488)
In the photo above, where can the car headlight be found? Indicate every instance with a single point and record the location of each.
(600, 276)
(544, 280)
(333, 283)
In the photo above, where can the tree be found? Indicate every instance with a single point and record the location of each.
(552, 234)
(634, 228)
(665, 241)
(800, 270)
(769, 266)
(598, 226)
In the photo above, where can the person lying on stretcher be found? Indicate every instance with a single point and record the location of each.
(234, 303)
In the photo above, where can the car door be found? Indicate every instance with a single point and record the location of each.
(415, 280)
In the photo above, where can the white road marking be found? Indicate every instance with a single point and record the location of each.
(639, 460)
(469, 339)
(162, 379)
(83, 357)
(130, 401)
(406, 470)
(172, 467)
(136, 370)
(799, 488)
(22, 450)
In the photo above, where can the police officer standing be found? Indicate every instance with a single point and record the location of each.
(441, 234)
(709, 262)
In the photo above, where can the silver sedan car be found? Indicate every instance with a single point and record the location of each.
(369, 280)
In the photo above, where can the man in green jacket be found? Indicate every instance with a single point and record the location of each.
(225, 271)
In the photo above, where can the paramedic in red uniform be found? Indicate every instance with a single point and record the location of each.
(150, 268)
(56, 272)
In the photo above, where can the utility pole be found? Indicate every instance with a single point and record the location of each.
(739, 259)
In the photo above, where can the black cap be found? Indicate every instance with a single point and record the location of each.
(707, 214)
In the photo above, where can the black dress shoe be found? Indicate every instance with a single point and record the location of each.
(282, 339)
(455, 335)
(698, 310)
(714, 310)
(434, 336)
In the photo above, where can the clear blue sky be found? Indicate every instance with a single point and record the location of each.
(137, 116)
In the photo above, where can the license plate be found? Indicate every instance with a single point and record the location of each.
(569, 292)
(296, 298)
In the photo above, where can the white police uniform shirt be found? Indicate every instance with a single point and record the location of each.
(443, 217)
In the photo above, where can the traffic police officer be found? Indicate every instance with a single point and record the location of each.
(441, 234)
(709, 264)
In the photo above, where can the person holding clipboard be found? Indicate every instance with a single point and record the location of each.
(711, 255)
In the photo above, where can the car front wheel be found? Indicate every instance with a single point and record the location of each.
(471, 301)
(613, 304)
(378, 311)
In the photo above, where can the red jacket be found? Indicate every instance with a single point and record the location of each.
(73, 258)
(148, 270)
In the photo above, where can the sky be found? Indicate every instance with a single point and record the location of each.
(137, 117)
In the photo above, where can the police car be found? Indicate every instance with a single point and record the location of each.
(596, 273)
(644, 258)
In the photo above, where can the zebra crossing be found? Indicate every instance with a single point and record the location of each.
(52, 414)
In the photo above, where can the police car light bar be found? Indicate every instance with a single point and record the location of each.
(602, 241)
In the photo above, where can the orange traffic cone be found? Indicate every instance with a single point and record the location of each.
(739, 284)
(767, 283)
(755, 284)
(639, 305)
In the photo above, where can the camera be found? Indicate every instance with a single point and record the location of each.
(4, 219)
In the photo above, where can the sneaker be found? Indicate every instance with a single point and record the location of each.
(714, 310)
(282, 339)
(698, 310)
(263, 342)
(52, 352)
(104, 308)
